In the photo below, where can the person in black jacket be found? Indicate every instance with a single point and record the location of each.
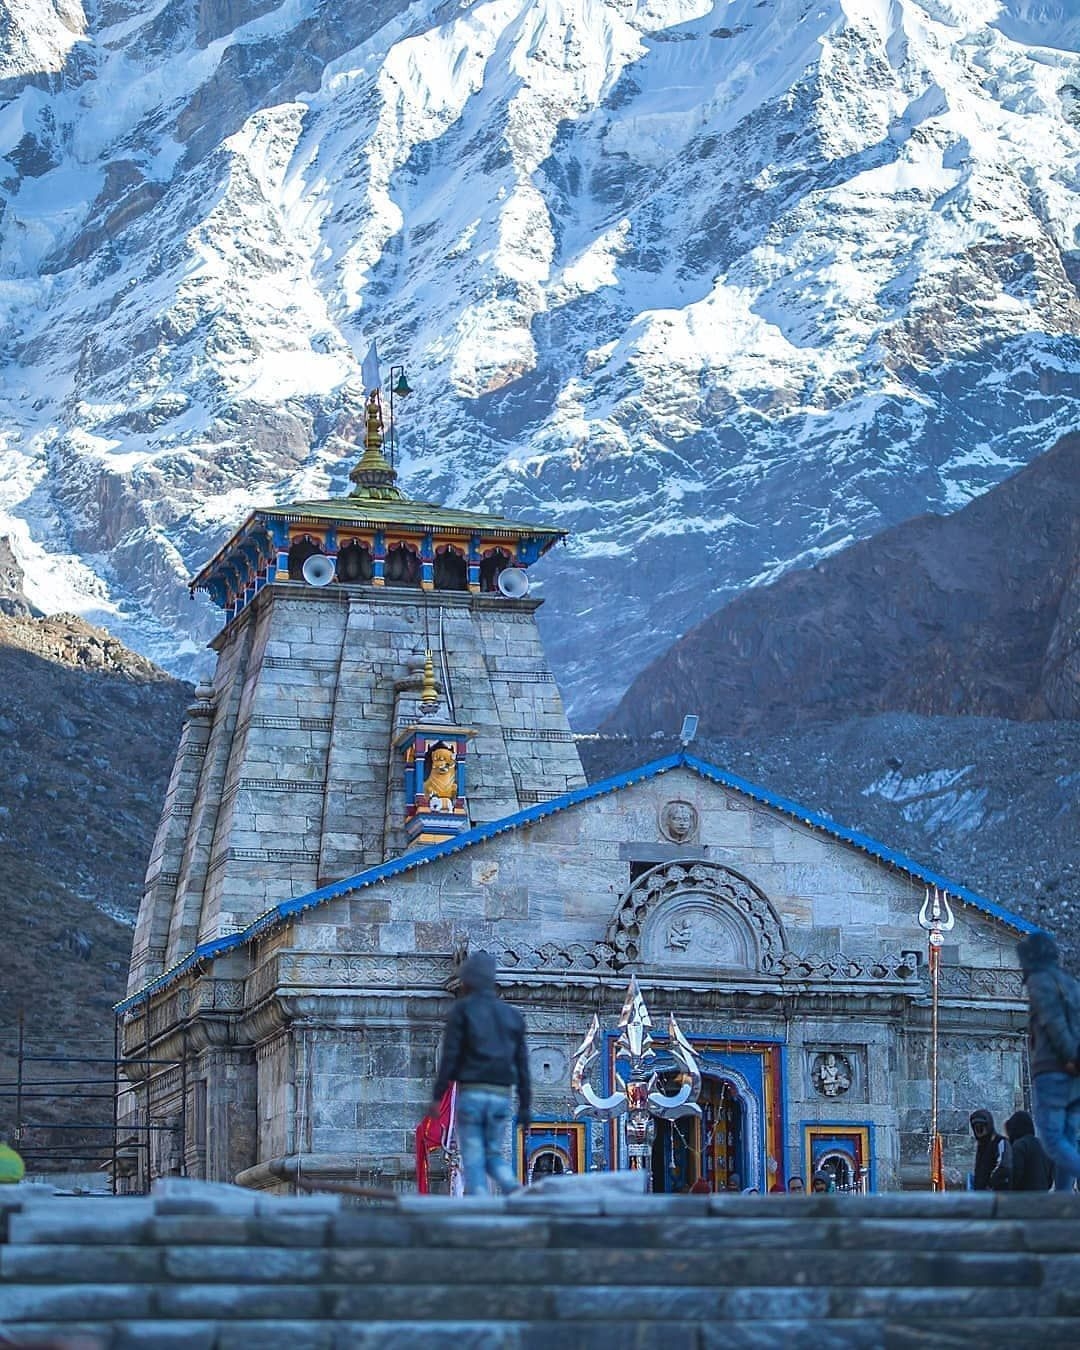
(484, 1052)
(993, 1154)
(1032, 1170)
(1054, 1050)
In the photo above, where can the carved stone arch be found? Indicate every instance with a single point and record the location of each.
(696, 914)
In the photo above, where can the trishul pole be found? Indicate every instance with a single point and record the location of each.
(937, 919)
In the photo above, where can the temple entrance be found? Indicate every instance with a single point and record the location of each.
(689, 1152)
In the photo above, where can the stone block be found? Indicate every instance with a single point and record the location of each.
(242, 1301)
(277, 1335)
(900, 1304)
(292, 1229)
(81, 1263)
(121, 1223)
(182, 1335)
(199, 1230)
(211, 1265)
(483, 1299)
(797, 1334)
(372, 1335)
(75, 1302)
(369, 1229)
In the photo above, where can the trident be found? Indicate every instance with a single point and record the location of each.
(637, 1097)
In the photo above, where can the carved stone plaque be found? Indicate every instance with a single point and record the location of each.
(831, 1073)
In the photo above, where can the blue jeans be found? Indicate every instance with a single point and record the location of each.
(482, 1118)
(1056, 1107)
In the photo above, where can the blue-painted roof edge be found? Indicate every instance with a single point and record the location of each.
(207, 951)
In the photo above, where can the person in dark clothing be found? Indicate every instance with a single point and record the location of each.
(1032, 1170)
(1054, 1050)
(484, 1052)
(993, 1154)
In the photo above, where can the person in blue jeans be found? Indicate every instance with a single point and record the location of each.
(484, 1052)
(1054, 1048)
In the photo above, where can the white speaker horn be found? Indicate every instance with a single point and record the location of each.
(513, 583)
(319, 570)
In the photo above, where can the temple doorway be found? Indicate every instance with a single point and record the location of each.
(708, 1153)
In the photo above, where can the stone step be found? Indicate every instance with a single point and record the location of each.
(497, 1302)
(724, 1265)
(766, 1333)
(96, 1225)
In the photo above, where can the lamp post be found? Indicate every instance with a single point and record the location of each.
(936, 918)
(398, 389)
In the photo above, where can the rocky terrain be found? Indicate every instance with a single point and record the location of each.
(976, 613)
(87, 734)
(721, 285)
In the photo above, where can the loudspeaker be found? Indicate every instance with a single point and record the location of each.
(319, 570)
(513, 583)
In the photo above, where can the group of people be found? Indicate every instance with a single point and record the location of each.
(1034, 1155)
(484, 1052)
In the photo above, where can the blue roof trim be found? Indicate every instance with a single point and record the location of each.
(207, 951)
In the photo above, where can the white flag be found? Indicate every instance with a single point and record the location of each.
(369, 371)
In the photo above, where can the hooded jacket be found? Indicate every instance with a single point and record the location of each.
(1032, 1170)
(1054, 1002)
(484, 1038)
(993, 1156)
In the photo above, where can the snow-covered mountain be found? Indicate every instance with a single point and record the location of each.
(721, 286)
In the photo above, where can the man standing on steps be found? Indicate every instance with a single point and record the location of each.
(993, 1154)
(1054, 1049)
(484, 1052)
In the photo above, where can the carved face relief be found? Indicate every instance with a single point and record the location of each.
(678, 821)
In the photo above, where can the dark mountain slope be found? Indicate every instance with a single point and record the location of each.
(976, 613)
(87, 735)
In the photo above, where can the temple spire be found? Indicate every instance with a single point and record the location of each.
(374, 478)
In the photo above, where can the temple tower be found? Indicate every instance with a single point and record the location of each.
(373, 647)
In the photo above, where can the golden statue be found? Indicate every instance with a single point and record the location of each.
(441, 781)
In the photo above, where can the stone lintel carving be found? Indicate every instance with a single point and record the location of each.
(553, 957)
(839, 968)
(331, 970)
(696, 914)
(981, 982)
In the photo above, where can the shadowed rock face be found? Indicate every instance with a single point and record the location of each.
(88, 731)
(12, 600)
(974, 613)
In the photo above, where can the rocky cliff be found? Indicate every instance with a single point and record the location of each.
(970, 614)
(87, 734)
(722, 286)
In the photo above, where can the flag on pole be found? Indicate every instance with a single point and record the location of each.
(369, 371)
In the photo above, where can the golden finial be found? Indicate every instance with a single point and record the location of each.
(429, 694)
(373, 476)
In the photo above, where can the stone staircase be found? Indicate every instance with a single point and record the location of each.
(218, 1268)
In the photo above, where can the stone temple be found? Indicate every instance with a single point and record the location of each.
(381, 777)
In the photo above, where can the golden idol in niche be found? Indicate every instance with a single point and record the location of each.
(440, 782)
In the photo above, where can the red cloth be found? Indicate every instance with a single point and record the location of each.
(432, 1133)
